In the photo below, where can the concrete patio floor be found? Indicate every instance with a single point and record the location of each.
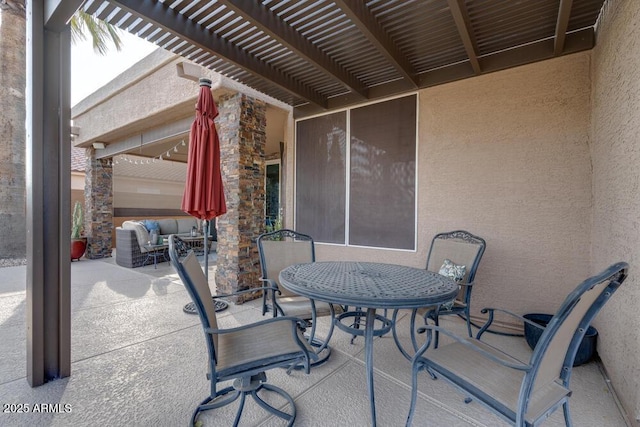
(137, 359)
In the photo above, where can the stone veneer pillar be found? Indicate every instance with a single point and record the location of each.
(98, 206)
(241, 126)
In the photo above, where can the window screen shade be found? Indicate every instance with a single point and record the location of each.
(382, 175)
(320, 177)
(382, 178)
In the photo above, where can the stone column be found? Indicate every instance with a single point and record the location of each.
(241, 126)
(98, 206)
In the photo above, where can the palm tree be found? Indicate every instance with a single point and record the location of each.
(12, 129)
(99, 31)
(12, 105)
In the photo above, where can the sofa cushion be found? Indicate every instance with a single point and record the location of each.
(168, 226)
(186, 224)
(141, 233)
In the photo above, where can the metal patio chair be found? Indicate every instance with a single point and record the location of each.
(524, 393)
(244, 353)
(462, 249)
(280, 249)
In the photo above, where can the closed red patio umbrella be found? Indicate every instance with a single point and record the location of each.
(203, 195)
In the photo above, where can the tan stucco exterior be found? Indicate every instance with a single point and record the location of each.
(506, 156)
(615, 154)
(146, 95)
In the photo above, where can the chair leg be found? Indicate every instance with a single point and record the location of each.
(396, 338)
(285, 416)
(322, 350)
(355, 325)
(567, 414)
(217, 401)
(240, 389)
(437, 334)
(394, 321)
(321, 347)
(264, 302)
(236, 421)
(468, 319)
(412, 325)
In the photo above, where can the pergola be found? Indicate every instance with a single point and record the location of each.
(316, 56)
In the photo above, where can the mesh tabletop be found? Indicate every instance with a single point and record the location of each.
(368, 284)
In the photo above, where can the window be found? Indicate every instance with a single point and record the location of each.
(272, 192)
(320, 177)
(371, 199)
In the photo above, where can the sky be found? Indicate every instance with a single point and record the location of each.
(90, 71)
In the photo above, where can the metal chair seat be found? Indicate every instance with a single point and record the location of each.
(237, 351)
(298, 306)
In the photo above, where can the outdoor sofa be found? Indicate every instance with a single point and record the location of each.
(134, 235)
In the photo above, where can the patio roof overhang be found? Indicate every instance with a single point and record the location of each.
(321, 55)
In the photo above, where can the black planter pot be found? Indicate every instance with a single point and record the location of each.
(587, 347)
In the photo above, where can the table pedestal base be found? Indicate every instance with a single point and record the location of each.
(369, 333)
(190, 308)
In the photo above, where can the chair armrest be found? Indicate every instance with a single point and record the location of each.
(489, 321)
(272, 284)
(468, 285)
(295, 320)
(468, 344)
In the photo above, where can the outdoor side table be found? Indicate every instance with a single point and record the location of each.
(370, 285)
(155, 252)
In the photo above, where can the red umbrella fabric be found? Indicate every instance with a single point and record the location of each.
(203, 195)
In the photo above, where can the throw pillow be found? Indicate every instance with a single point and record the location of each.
(456, 273)
(151, 225)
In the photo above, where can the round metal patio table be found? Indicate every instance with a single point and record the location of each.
(371, 285)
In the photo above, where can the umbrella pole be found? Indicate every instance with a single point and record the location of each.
(206, 249)
(220, 305)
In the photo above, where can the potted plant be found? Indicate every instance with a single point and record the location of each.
(78, 243)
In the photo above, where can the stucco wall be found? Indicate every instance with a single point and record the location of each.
(616, 181)
(506, 156)
(146, 95)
